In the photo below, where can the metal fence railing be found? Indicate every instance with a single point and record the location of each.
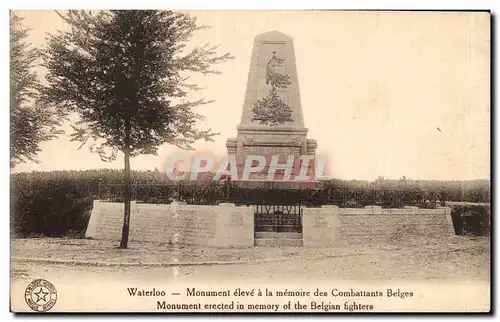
(217, 192)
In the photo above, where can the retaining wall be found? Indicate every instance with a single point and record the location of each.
(333, 226)
(226, 225)
(221, 226)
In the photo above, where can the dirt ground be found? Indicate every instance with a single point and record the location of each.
(456, 258)
(451, 275)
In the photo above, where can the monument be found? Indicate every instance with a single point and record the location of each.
(272, 122)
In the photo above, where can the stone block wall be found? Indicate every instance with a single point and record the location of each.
(333, 226)
(221, 226)
(226, 225)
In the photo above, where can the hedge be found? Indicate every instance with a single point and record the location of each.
(58, 203)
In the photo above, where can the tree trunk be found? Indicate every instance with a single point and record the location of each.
(126, 192)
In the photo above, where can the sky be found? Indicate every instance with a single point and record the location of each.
(384, 93)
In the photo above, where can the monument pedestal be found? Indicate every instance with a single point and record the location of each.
(283, 144)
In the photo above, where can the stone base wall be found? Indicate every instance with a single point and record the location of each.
(333, 226)
(220, 226)
(226, 225)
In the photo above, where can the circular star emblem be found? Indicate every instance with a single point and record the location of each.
(40, 295)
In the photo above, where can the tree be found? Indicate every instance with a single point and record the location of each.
(30, 122)
(122, 74)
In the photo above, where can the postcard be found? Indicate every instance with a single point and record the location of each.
(250, 161)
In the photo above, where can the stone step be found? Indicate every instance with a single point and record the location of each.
(271, 229)
(274, 242)
(275, 235)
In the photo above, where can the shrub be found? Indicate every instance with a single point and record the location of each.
(49, 207)
(471, 219)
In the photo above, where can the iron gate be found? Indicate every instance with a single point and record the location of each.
(278, 218)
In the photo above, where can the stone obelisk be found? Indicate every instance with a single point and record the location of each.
(272, 122)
